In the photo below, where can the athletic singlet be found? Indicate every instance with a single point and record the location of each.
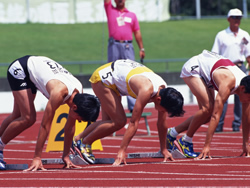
(40, 70)
(51, 70)
(204, 65)
(117, 75)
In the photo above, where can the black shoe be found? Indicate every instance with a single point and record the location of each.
(236, 129)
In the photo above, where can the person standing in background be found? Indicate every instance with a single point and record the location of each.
(121, 25)
(233, 43)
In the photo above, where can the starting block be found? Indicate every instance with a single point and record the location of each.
(176, 155)
(16, 166)
(77, 160)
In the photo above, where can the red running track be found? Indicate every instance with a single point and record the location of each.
(225, 169)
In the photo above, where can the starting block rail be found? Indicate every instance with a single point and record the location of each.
(16, 166)
(176, 155)
(77, 160)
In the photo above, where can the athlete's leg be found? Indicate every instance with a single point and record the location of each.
(14, 115)
(23, 116)
(205, 98)
(114, 117)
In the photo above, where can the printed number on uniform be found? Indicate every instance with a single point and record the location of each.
(16, 71)
(55, 67)
(214, 54)
(107, 75)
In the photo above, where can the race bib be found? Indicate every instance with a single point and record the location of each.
(16, 70)
(120, 21)
(127, 19)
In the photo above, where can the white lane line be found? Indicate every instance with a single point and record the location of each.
(85, 170)
(17, 150)
(123, 179)
(240, 171)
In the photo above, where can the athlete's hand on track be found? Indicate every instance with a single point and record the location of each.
(167, 155)
(205, 153)
(68, 164)
(36, 165)
(121, 157)
(246, 151)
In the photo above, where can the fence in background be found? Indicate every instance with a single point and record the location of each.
(76, 11)
(80, 68)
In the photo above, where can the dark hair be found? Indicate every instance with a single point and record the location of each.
(172, 101)
(246, 82)
(88, 106)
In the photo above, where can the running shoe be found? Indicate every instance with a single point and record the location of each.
(186, 148)
(170, 140)
(87, 153)
(2, 163)
(84, 151)
(75, 148)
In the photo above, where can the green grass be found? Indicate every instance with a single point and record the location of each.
(88, 42)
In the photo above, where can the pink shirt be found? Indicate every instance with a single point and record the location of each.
(121, 24)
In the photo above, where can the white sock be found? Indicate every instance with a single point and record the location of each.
(2, 145)
(173, 132)
(187, 138)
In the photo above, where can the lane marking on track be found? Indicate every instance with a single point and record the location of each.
(18, 150)
(124, 179)
(240, 171)
(22, 142)
(84, 171)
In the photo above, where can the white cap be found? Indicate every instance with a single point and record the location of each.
(234, 12)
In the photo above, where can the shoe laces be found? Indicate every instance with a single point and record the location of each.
(88, 149)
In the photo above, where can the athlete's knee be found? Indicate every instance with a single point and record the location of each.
(207, 111)
(120, 123)
(29, 120)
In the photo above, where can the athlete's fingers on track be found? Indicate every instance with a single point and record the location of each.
(245, 154)
(69, 166)
(75, 166)
(31, 168)
(118, 161)
(169, 157)
(201, 156)
(34, 168)
(42, 168)
(124, 160)
(242, 154)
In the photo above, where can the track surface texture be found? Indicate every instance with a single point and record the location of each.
(226, 169)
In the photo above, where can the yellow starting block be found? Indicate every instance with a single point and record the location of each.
(56, 136)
